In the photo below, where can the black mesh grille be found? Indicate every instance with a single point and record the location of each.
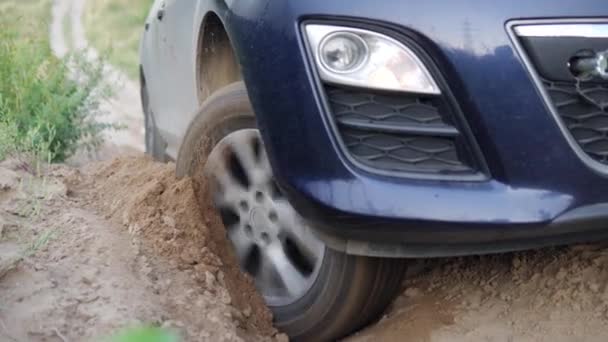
(403, 152)
(399, 132)
(411, 110)
(584, 110)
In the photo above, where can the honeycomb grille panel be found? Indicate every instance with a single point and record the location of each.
(399, 132)
(403, 152)
(584, 110)
(374, 108)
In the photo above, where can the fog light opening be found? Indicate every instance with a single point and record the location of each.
(343, 52)
(588, 64)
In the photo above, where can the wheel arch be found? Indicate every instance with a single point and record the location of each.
(216, 61)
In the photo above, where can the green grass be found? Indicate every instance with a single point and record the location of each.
(43, 112)
(114, 28)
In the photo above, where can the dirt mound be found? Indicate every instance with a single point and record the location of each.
(163, 212)
(81, 276)
(68, 273)
(555, 294)
(558, 294)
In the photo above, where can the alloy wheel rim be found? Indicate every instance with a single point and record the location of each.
(272, 242)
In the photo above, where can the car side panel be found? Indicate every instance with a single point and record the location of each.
(171, 72)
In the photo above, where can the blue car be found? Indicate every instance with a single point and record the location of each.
(337, 139)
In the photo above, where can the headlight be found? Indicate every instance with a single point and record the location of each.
(367, 59)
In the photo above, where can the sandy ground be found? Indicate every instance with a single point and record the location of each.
(556, 294)
(122, 242)
(117, 243)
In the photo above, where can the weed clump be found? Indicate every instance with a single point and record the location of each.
(47, 105)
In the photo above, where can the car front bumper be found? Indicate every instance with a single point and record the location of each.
(536, 192)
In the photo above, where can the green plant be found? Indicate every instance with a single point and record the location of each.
(9, 137)
(47, 105)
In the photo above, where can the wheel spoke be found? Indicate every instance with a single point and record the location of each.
(242, 147)
(228, 199)
(242, 244)
(297, 231)
(267, 275)
(230, 191)
(264, 164)
(257, 169)
(221, 172)
(293, 280)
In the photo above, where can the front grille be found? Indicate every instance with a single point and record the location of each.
(580, 105)
(352, 106)
(402, 151)
(583, 107)
(399, 132)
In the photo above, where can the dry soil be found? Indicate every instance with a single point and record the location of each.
(84, 252)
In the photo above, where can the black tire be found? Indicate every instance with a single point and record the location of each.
(350, 291)
(155, 145)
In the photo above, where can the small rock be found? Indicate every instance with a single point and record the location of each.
(190, 256)
(209, 279)
(247, 311)
(86, 280)
(89, 276)
(133, 229)
(281, 337)
(169, 221)
(9, 179)
(225, 298)
(516, 262)
(412, 292)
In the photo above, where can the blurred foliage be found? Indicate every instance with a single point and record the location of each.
(144, 335)
(114, 28)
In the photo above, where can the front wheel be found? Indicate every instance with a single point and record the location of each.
(314, 292)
